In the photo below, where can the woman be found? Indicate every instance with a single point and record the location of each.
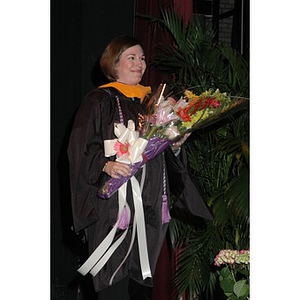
(123, 62)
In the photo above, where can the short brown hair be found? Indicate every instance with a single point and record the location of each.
(112, 53)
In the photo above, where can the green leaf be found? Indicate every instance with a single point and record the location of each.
(232, 297)
(227, 285)
(225, 272)
(241, 288)
(244, 272)
(229, 294)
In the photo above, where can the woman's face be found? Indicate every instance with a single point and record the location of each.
(131, 67)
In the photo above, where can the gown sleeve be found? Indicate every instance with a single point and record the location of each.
(182, 186)
(86, 158)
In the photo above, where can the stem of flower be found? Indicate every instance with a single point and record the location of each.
(151, 133)
(232, 274)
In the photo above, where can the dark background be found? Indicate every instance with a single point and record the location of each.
(79, 32)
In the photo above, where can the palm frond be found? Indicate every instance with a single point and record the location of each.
(218, 155)
(196, 60)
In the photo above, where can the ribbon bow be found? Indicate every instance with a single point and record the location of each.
(131, 153)
(127, 146)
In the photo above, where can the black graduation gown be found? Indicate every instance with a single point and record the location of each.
(93, 124)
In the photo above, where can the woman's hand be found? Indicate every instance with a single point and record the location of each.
(177, 145)
(115, 169)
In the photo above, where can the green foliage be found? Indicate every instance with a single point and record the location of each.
(233, 287)
(196, 60)
(219, 160)
(218, 156)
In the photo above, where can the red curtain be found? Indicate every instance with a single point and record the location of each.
(163, 277)
(185, 8)
(151, 40)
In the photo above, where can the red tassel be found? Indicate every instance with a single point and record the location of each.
(165, 215)
(123, 223)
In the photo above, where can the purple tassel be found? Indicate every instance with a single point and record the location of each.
(123, 223)
(165, 215)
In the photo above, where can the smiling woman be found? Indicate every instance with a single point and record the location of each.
(116, 55)
(131, 66)
(125, 233)
(123, 63)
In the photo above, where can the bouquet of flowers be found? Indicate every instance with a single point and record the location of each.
(168, 121)
(234, 276)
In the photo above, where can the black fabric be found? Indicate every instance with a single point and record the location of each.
(126, 289)
(183, 187)
(118, 291)
(94, 123)
(138, 291)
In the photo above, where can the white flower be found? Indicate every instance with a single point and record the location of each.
(172, 132)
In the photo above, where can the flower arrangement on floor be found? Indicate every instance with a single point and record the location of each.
(167, 122)
(234, 276)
